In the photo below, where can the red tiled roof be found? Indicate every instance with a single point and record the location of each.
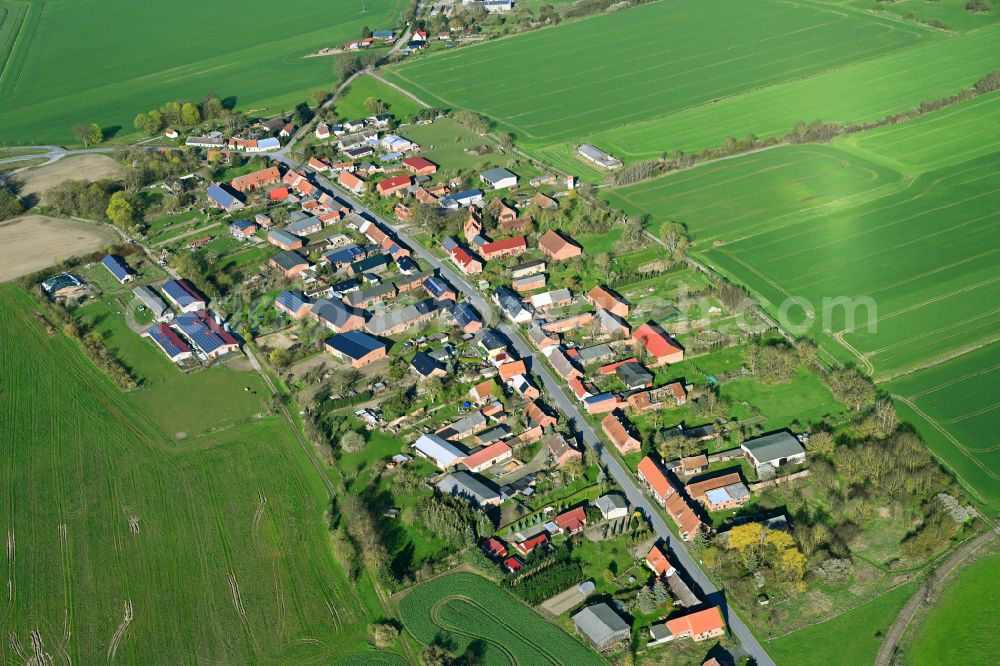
(655, 340)
(657, 561)
(534, 542)
(419, 163)
(393, 183)
(491, 452)
(504, 244)
(571, 520)
(699, 622)
(698, 489)
(655, 477)
(512, 369)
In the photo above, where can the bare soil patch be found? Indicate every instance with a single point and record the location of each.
(31, 242)
(81, 167)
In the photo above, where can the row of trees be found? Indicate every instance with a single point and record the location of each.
(181, 114)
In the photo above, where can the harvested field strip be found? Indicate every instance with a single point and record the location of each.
(856, 93)
(466, 608)
(610, 70)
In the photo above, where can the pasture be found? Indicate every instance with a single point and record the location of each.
(123, 547)
(31, 242)
(858, 92)
(58, 67)
(352, 103)
(609, 71)
(955, 407)
(961, 627)
(824, 644)
(467, 608)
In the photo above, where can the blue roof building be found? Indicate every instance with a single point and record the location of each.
(268, 144)
(438, 287)
(223, 198)
(465, 316)
(206, 334)
(356, 348)
(292, 302)
(171, 343)
(117, 266)
(183, 295)
(383, 34)
(343, 256)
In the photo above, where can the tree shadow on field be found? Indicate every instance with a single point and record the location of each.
(229, 103)
(111, 131)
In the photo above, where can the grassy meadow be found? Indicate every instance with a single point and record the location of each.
(609, 71)
(352, 103)
(124, 546)
(846, 640)
(961, 627)
(59, 68)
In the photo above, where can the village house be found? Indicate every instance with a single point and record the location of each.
(289, 262)
(658, 344)
(424, 365)
(483, 392)
(539, 416)
(322, 131)
(283, 239)
(336, 315)
(511, 369)
(488, 456)
(615, 427)
(467, 262)
(541, 338)
(612, 507)
(357, 348)
(157, 308)
(375, 264)
(560, 450)
(672, 395)
(544, 202)
(242, 229)
(464, 427)
(394, 185)
(504, 248)
(556, 298)
(558, 247)
(694, 464)
(220, 197)
(572, 521)
(687, 521)
(698, 626)
(524, 387)
(561, 363)
(439, 451)
(465, 317)
(602, 403)
(511, 306)
(461, 199)
(399, 320)
(602, 297)
(612, 325)
(439, 289)
(595, 354)
(293, 303)
(658, 563)
(495, 548)
(257, 179)
(569, 323)
(720, 492)
(420, 166)
(532, 267)
(351, 182)
(529, 545)
(634, 376)
(528, 282)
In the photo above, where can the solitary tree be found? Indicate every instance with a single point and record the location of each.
(120, 211)
(675, 237)
(89, 134)
(352, 441)
(375, 105)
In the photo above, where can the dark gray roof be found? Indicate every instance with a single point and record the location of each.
(601, 624)
(470, 486)
(633, 374)
(289, 259)
(771, 447)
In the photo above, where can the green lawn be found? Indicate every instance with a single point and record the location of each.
(444, 142)
(954, 407)
(615, 69)
(63, 69)
(352, 103)
(804, 399)
(849, 639)
(105, 514)
(961, 627)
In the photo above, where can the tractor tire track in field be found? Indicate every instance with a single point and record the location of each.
(120, 631)
(498, 620)
(19, 52)
(954, 381)
(8, 47)
(230, 563)
(935, 333)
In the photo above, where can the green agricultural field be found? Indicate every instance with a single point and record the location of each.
(466, 608)
(827, 643)
(955, 408)
(123, 547)
(60, 65)
(611, 70)
(961, 627)
(352, 103)
(943, 138)
(950, 13)
(814, 223)
(860, 92)
(762, 191)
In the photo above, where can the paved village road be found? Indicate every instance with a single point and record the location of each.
(557, 390)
